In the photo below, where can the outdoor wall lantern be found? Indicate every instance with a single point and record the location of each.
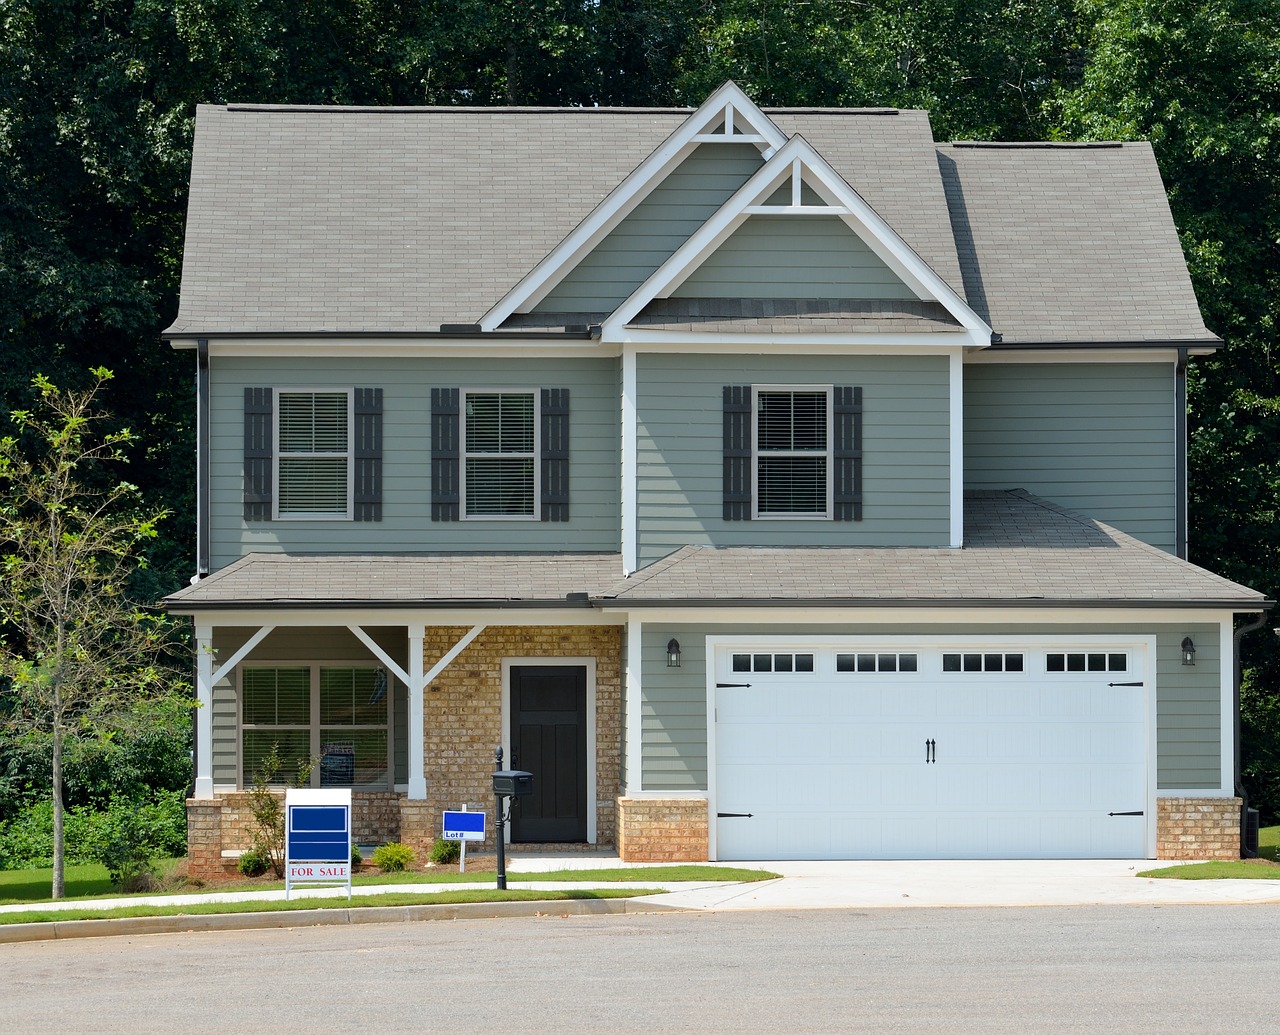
(1188, 651)
(673, 653)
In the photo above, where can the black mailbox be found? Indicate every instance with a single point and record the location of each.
(512, 783)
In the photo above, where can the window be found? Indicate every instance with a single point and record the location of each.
(773, 663)
(500, 451)
(1086, 662)
(876, 663)
(334, 717)
(793, 452)
(313, 454)
(982, 663)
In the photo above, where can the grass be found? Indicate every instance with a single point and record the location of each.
(90, 880)
(1231, 869)
(357, 902)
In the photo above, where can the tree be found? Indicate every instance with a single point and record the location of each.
(78, 658)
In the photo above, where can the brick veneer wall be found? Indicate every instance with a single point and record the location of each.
(462, 715)
(663, 830)
(1198, 828)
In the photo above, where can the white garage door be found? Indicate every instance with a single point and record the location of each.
(947, 752)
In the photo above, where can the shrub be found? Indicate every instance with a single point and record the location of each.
(444, 852)
(356, 857)
(393, 857)
(158, 821)
(266, 808)
(253, 863)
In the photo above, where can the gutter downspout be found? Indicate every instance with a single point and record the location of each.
(1240, 791)
(1180, 454)
(202, 459)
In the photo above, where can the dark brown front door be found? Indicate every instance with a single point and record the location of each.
(549, 739)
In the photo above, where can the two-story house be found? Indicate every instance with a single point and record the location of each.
(770, 484)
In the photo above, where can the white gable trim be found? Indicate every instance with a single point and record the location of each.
(798, 161)
(744, 122)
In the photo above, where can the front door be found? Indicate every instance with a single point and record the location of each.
(549, 739)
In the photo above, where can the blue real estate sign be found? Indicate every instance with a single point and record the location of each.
(317, 825)
(463, 826)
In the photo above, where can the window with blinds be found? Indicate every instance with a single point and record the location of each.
(500, 450)
(793, 452)
(334, 718)
(313, 454)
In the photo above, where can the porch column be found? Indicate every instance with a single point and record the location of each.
(204, 712)
(633, 708)
(416, 692)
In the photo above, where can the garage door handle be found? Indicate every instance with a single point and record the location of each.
(733, 815)
(1126, 813)
(930, 751)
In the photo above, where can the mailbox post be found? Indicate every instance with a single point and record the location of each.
(507, 783)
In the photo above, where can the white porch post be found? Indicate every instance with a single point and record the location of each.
(204, 713)
(634, 716)
(416, 693)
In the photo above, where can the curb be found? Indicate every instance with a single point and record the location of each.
(58, 930)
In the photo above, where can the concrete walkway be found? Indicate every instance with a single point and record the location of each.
(824, 885)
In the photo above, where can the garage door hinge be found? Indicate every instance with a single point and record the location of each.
(731, 686)
(1126, 813)
(1138, 683)
(733, 815)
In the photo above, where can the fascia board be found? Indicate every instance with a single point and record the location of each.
(860, 217)
(461, 347)
(624, 198)
(801, 341)
(997, 617)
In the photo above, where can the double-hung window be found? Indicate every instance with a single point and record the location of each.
(313, 462)
(500, 455)
(333, 718)
(792, 452)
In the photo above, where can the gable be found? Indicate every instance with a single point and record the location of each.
(646, 237)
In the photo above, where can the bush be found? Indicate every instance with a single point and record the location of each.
(158, 821)
(356, 857)
(444, 852)
(253, 863)
(393, 857)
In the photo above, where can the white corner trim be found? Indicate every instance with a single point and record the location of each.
(630, 464)
(1227, 695)
(728, 101)
(634, 709)
(860, 217)
(956, 381)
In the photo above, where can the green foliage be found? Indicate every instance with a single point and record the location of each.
(393, 857)
(356, 857)
(253, 862)
(158, 821)
(444, 852)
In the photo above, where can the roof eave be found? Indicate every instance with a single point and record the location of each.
(812, 603)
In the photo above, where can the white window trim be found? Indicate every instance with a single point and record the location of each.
(756, 513)
(463, 455)
(313, 723)
(349, 514)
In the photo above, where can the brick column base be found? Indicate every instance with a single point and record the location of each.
(663, 830)
(1198, 828)
(204, 838)
(418, 827)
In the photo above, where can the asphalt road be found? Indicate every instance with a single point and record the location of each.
(1081, 969)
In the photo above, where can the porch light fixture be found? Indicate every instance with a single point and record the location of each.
(1188, 651)
(673, 653)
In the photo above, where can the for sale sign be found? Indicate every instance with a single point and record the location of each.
(317, 837)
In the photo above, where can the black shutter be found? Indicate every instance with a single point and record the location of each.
(445, 476)
(848, 453)
(259, 435)
(368, 454)
(555, 454)
(737, 453)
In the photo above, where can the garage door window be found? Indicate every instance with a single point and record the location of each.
(876, 662)
(773, 663)
(982, 663)
(1086, 662)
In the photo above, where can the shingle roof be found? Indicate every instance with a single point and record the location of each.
(381, 580)
(1069, 242)
(348, 220)
(1020, 550)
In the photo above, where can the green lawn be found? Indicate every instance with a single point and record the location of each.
(90, 880)
(357, 902)
(1269, 843)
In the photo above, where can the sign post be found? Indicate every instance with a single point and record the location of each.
(317, 837)
(463, 826)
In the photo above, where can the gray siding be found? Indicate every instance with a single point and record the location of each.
(680, 442)
(793, 257)
(1188, 698)
(406, 512)
(301, 646)
(645, 239)
(1098, 439)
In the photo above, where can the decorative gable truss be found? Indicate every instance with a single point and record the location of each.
(796, 183)
(728, 116)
